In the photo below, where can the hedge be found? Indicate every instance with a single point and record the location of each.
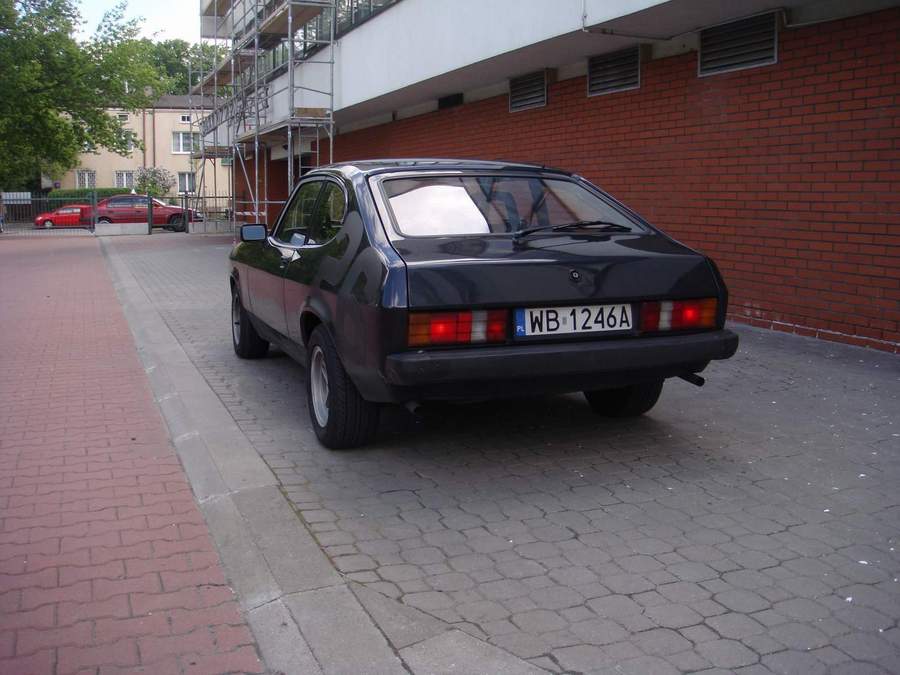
(85, 193)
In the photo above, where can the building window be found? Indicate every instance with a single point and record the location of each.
(528, 91)
(124, 179)
(186, 119)
(123, 117)
(184, 142)
(85, 179)
(186, 181)
(747, 43)
(616, 71)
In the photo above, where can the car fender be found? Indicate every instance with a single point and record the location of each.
(241, 285)
(313, 312)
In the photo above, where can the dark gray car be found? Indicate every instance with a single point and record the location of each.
(408, 280)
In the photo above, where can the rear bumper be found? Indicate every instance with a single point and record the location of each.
(571, 366)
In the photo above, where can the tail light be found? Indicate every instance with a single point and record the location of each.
(456, 328)
(678, 315)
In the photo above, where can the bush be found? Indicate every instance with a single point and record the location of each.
(154, 181)
(84, 194)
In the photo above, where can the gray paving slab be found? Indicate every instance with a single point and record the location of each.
(340, 634)
(245, 565)
(767, 498)
(292, 556)
(276, 634)
(401, 624)
(457, 653)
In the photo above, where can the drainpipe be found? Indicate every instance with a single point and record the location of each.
(144, 137)
(153, 115)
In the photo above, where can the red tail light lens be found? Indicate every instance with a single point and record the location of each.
(455, 328)
(678, 315)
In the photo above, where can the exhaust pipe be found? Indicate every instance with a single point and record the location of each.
(693, 378)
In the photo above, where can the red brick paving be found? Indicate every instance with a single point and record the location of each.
(106, 565)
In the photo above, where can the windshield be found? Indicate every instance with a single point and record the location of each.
(456, 205)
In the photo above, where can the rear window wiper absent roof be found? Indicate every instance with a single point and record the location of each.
(601, 225)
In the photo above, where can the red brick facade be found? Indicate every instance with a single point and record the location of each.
(788, 175)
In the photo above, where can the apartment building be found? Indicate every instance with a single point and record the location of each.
(763, 132)
(166, 135)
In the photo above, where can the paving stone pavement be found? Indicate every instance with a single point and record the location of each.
(746, 527)
(105, 560)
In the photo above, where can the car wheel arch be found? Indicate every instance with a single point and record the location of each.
(308, 322)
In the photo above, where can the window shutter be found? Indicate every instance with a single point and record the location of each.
(616, 71)
(528, 91)
(746, 43)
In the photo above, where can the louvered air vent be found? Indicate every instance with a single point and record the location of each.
(740, 44)
(616, 71)
(528, 91)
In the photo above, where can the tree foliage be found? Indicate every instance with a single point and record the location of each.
(56, 89)
(155, 181)
(179, 60)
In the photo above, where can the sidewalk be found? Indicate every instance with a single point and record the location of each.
(105, 560)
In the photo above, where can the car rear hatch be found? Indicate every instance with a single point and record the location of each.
(550, 269)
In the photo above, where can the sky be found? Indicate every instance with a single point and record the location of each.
(163, 19)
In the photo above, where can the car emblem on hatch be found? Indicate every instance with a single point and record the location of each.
(574, 275)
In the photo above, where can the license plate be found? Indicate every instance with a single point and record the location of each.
(532, 321)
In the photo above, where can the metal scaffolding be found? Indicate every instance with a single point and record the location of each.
(262, 108)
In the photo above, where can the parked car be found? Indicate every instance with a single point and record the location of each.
(399, 281)
(70, 215)
(133, 209)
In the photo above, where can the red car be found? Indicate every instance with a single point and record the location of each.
(70, 215)
(133, 209)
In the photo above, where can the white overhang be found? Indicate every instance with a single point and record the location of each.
(421, 50)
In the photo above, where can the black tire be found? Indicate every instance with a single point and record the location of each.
(630, 401)
(350, 420)
(48, 224)
(247, 342)
(176, 224)
(103, 220)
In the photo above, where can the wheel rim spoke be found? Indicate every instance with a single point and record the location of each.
(236, 320)
(318, 385)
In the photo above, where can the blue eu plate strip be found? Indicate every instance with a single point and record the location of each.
(520, 323)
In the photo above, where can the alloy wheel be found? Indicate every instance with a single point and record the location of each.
(318, 385)
(236, 319)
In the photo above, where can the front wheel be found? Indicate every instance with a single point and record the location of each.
(48, 224)
(340, 417)
(247, 342)
(630, 401)
(176, 224)
(103, 220)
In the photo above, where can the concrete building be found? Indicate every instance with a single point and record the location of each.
(166, 135)
(763, 132)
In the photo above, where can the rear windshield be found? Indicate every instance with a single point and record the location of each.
(457, 205)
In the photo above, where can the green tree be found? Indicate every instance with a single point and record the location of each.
(155, 181)
(56, 90)
(177, 59)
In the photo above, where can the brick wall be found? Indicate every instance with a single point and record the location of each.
(272, 187)
(788, 175)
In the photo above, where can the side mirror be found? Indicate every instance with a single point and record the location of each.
(253, 232)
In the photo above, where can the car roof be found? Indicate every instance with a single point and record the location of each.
(374, 166)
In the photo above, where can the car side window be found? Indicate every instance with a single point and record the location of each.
(294, 227)
(329, 215)
(120, 202)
